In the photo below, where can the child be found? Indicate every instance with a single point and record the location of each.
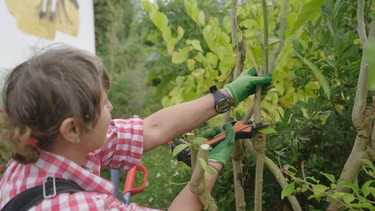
(58, 120)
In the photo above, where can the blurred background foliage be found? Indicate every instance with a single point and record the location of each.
(315, 132)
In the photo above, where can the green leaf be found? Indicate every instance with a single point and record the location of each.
(304, 187)
(336, 195)
(180, 32)
(369, 55)
(198, 140)
(347, 184)
(368, 163)
(211, 59)
(210, 171)
(319, 188)
(170, 45)
(308, 12)
(329, 176)
(348, 198)
(367, 205)
(366, 188)
(180, 81)
(195, 43)
(192, 10)
(180, 56)
(318, 74)
(178, 149)
(149, 6)
(205, 167)
(287, 190)
(316, 196)
(161, 21)
(201, 18)
(290, 168)
(356, 41)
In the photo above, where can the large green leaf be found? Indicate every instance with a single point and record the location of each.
(180, 56)
(179, 148)
(309, 11)
(318, 74)
(193, 11)
(159, 19)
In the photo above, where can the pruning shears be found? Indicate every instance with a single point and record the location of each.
(129, 188)
(129, 182)
(242, 129)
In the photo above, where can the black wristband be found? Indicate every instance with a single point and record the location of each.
(222, 102)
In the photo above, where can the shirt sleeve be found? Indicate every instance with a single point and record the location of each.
(124, 147)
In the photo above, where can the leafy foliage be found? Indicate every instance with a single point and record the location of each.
(360, 197)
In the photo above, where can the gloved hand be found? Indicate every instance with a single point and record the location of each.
(221, 153)
(245, 85)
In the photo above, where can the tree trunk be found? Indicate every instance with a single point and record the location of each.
(362, 124)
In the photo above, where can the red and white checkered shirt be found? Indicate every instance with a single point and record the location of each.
(123, 150)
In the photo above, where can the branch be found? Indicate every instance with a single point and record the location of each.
(198, 184)
(275, 170)
(362, 87)
(372, 138)
(260, 139)
(259, 145)
(193, 152)
(361, 21)
(265, 47)
(283, 22)
(237, 43)
(236, 159)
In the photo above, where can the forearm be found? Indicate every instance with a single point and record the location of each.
(186, 200)
(176, 120)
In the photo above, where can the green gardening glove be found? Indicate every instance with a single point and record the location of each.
(245, 85)
(221, 153)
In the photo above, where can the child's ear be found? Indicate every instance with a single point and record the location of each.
(70, 129)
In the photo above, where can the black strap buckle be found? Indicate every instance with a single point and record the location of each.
(52, 192)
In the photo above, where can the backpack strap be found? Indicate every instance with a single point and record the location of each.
(33, 196)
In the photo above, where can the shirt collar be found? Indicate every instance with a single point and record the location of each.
(86, 176)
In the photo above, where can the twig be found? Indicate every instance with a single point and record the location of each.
(265, 47)
(283, 21)
(303, 170)
(250, 54)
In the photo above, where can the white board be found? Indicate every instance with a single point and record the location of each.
(28, 25)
